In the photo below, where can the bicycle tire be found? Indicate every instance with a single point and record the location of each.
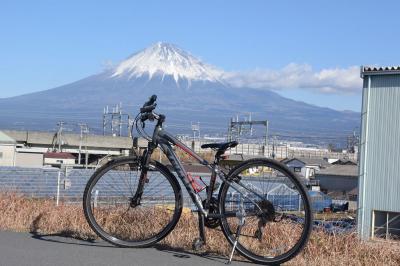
(229, 234)
(107, 234)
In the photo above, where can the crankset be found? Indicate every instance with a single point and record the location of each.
(213, 208)
(134, 201)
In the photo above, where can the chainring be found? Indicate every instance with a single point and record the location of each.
(213, 208)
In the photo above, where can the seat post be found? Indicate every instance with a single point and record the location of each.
(218, 156)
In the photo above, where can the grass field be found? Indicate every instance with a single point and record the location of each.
(18, 213)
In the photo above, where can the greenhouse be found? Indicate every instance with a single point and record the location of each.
(279, 194)
(319, 201)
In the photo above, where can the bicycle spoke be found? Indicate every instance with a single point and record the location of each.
(272, 203)
(118, 219)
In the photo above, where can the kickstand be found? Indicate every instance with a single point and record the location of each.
(241, 216)
(238, 230)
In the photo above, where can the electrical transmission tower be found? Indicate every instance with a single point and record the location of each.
(196, 131)
(115, 120)
(352, 142)
(237, 128)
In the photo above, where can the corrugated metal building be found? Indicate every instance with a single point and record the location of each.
(379, 169)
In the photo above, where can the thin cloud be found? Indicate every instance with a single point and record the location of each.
(300, 76)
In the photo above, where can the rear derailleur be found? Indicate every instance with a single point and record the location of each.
(267, 214)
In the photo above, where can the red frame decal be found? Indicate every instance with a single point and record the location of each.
(195, 184)
(185, 149)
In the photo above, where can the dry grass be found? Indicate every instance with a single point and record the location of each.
(184, 157)
(41, 216)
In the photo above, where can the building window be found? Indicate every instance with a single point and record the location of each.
(386, 225)
(297, 169)
(60, 161)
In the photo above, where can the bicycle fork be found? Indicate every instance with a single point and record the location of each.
(144, 166)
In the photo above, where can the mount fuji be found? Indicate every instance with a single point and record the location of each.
(188, 91)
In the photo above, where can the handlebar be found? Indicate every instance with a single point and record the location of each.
(147, 111)
(147, 116)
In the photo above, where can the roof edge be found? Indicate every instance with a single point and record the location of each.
(374, 70)
(6, 139)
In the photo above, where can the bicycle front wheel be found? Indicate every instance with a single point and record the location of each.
(117, 215)
(275, 208)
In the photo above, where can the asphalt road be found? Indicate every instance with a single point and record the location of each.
(28, 249)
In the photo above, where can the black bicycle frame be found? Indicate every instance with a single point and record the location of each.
(165, 140)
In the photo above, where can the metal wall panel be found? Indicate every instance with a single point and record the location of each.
(379, 178)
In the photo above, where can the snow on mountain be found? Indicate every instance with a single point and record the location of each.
(211, 100)
(166, 59)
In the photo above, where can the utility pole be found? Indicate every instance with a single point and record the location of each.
(273, 147)
(84, 131)
(59, 139)
(196, 134)
(131, 122)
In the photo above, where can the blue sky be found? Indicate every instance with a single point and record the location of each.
(44, 44)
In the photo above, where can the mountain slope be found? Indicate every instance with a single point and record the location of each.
(187, 89)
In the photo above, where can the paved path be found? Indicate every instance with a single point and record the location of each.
(27, 249)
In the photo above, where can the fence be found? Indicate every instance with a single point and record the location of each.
(45, 182)
(279, 151)
(68, 186)
(61, 185)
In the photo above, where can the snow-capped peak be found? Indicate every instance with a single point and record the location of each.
(166, 59)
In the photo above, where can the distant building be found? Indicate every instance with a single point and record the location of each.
(27, 148)
(338, 181)
(379, 170)
(7, 150)
(58, 158)
(12, 155)
(305, 167)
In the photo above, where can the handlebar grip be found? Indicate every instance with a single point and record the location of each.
(151, 100)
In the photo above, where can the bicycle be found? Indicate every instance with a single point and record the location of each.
(262, 207)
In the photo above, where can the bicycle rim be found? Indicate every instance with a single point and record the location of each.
(278, 215)
(110, 211)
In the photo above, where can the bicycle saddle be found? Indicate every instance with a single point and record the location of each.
(220, 146)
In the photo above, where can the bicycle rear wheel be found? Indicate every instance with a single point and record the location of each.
(276, 209)
(115, 216)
